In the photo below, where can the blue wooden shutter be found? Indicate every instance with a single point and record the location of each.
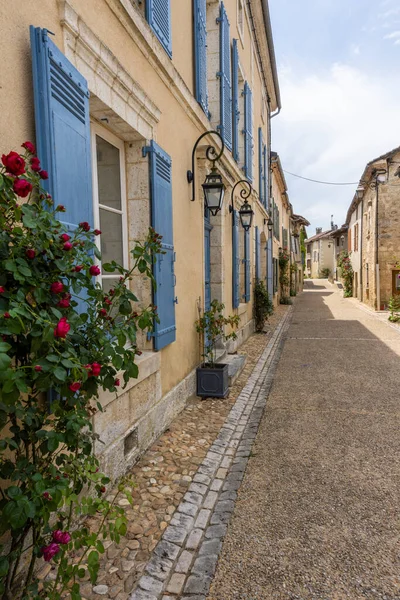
(266, 177)
(224, 74)
(258, 267)
(62, 129)
(161, 221)
(200, 52)
(260, 167)
(158, 15)
(270, 272)
(248, 133)
(235, 101)
(247, 265)
(235, 260)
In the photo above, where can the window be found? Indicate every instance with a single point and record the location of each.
(248, 132)
(109, 200)
(356, 237)
(367, 275)
(200, 45)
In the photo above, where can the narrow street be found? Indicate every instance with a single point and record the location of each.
(317, 513)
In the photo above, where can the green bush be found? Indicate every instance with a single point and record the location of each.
(263, 306)
(325, 273)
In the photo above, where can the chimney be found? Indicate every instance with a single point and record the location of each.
(318, 230)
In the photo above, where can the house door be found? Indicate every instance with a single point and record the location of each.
(395, 282)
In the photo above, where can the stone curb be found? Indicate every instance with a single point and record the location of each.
(185, 559)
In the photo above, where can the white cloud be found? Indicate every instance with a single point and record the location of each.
(330, 126)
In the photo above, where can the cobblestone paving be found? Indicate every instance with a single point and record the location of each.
(162, 477)
(185, 560)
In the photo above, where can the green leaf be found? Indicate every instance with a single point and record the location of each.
(4, 347)
(60, 373)
(93, 558)
(68, 364)
(29, 221)
(5, 361)
(3, 566)
(13, 492)
(109, 268)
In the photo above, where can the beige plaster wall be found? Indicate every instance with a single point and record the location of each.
(169, 86)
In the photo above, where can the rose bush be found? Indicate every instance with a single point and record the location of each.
(347, 273)
(63, 339)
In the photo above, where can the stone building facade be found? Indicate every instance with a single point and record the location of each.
(319, 253)
(374, 223)
(138, 82)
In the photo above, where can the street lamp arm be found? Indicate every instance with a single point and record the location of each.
(211, 154)
(244, 193)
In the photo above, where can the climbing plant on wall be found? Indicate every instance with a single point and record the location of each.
(63, 339)
(344, 263)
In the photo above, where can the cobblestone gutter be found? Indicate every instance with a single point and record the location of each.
(184, 561)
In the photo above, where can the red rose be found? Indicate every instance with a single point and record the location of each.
(111, 292)
(94, 270)
(65, 237)
(35, 164)
(43, 174)
(97, 232)
(30, 253)
(64, 303)
(85, 226)
(78, 268)
(139, 352)
(14, 163)
(95, 369)
(29, 146)
(117, 382)
(74, 387)
(62, 328)
(61, 537)
(67, 246)
(22, 187)
(60, 208)
(38, 368)
(50, 551)
(102, 489)
(47, 496)
(2, 290)
(107, 301)
(57, 287)
(6, 315)
(103, 312)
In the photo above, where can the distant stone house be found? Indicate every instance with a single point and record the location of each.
(340, 242)
(297, 225)
(373, 220)
(319, 254)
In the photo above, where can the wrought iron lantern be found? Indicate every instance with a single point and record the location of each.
(246, 215)
(214, 190)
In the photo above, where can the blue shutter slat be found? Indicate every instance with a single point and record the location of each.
(248, 132)
(235, 101)
(260, 167)
(158, 15)
(266, 179)
(161, 221)
(225, 79)
(200, 44)
(235, 259)
(247, 265)
(258, 267)
(62, 122)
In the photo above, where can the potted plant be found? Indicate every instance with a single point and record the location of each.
(212, 377)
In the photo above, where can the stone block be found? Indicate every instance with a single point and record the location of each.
(194, 539)
(215, 532)
(166, 549)
(210, 500)
(175, 584)
(197, 585)
(175, 535)
(193, 497)
(149, 584)
(159, 567)
(188, 509)
(184, 562)
(205, 565)
(182, 520)
(210, 547)
(202, 518)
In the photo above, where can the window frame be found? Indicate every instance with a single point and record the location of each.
(98, 130)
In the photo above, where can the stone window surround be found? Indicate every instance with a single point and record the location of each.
(118, 102)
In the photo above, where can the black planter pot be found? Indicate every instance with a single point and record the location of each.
(212, 382)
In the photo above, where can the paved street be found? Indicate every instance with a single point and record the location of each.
(317, 515)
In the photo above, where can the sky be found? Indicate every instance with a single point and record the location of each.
(339, 75)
